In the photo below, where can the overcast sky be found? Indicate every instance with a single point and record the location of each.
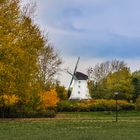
(96, 30)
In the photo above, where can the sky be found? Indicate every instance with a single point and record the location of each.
(95, 30)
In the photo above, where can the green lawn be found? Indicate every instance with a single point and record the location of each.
(74, 126)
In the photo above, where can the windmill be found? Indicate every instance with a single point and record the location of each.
(78, 88)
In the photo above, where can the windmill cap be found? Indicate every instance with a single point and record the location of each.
(81, 76)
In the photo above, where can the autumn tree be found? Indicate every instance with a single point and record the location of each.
(22, 44)
(9, 50)
(31, 42)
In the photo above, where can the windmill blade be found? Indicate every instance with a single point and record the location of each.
(69, 90)
(67, 70)
(69, 73)
(74, 73)
(76, 65)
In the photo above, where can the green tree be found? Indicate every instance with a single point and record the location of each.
(136, 83)
(99, 90)
(99, 75)
(61, 91)
(91, 87)
(120, 82)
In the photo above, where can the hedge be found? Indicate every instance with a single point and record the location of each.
(94, 105)
(11, 113)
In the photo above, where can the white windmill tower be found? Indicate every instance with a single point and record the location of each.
(78, 88)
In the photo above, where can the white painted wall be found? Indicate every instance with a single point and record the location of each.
(80, 90)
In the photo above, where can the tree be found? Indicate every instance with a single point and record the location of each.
(21, 45)
(9, 50)
(91, 86)
(120, 82)
(101, 71)
(136, 84)
(61, 91)
(31, 42)
(99, 74)
(49, 62)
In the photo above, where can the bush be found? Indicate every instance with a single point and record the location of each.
(67, 106)
(103, 105)
(138, 103)
(48, 99)
(46, 114)
(124, 105)
(97, 107)
(8, 100)
(19, 112)
(33, 114)
(94, 105)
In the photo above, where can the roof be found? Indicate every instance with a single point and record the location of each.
(81, 76)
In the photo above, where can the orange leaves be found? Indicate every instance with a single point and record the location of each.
(48, 99)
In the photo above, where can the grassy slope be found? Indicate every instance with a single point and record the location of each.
(75, 126)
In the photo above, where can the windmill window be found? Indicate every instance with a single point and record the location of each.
(79, 86)
(79, 82)
(78, 92)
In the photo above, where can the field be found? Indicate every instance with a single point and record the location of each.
(74, 126)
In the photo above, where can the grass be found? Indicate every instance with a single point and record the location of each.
(74, 126)
(106, 115)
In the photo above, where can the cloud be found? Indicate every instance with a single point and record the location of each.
(106, 28)
(111, 46)
(93, 29)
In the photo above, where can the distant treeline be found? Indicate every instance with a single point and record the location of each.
(114, 76)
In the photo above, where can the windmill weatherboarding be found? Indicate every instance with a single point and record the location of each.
(78, 88)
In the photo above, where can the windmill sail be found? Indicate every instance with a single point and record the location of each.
(73, 76)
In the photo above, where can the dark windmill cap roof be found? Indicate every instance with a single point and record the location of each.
(81, 76)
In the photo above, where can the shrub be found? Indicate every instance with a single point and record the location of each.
(94, 105)
(124, 105)
(82, 106)
(67, 106)
(138, 103)
(104, 105)
(8, 100)
(48, 99)
(30, 114)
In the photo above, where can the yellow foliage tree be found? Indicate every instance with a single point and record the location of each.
(48, 99)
